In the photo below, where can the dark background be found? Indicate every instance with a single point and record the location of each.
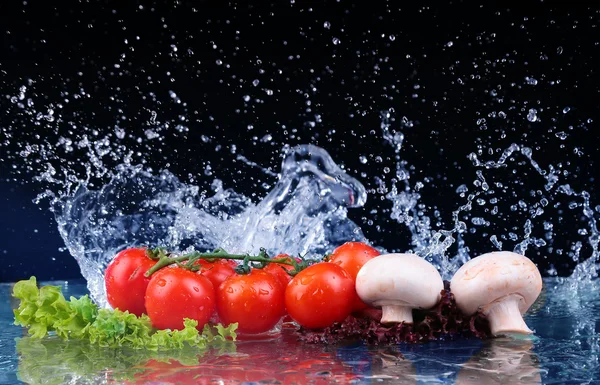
(244, 70)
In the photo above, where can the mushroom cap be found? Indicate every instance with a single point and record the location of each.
(493, 276)
(399, 279)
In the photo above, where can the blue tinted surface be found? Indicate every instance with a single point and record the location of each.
(563, 351)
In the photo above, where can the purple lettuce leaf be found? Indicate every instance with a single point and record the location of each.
(443, 322)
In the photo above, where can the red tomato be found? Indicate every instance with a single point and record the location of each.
(174, 294)
(125, 281)
(254, 301)
(280, 270)
(230, 262)
(320, 295)
(351, 256)
(217, 271)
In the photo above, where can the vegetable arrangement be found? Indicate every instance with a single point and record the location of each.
(255, 294)
(165, 301)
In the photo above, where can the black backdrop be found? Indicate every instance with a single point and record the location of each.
(299, 71)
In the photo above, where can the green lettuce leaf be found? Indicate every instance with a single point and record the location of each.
(46, 310)
(113, 328)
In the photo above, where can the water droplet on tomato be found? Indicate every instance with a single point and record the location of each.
(263, 292)
(230, 290)
(196, 289)
(161, 282)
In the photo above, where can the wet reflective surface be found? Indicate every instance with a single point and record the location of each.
(563, 351)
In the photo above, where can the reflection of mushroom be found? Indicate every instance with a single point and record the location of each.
(502, 361)
(393, 366)
(503, 285)
(399, 283)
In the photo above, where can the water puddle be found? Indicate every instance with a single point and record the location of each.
(564, 350)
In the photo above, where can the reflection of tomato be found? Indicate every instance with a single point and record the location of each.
(326, 378)
(217, 271)
(278, 361)
(125, 280)
(174, 294)
(255, 301)
(351, 256)
(320, 295)
(173, 372)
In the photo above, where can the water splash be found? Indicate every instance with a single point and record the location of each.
(434, 244)
(305, 213)
(586, 268)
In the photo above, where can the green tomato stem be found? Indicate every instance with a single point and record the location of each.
(166, 260)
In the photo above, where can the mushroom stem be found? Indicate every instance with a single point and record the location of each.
(396, 314)
(504, 316)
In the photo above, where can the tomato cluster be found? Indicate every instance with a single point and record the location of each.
(315, 298)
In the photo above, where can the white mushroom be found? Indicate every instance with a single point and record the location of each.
(399, 283)
(503, 285)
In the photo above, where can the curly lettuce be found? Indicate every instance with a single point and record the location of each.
(46, 311)
(443, 322)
